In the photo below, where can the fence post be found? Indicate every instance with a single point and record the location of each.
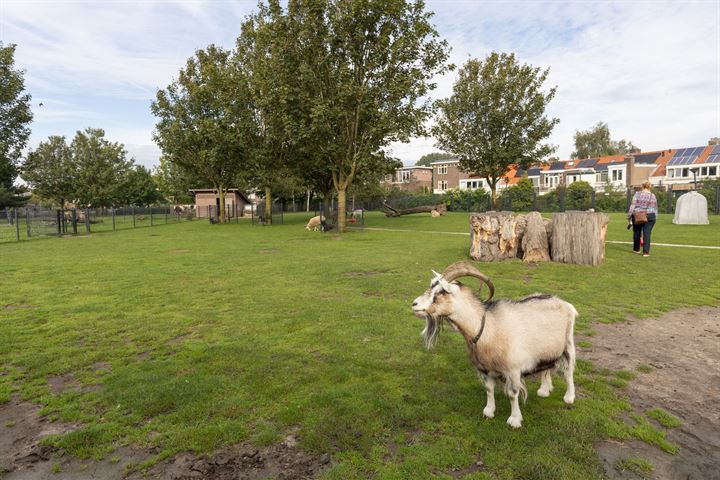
(27, 220)
(166, 215)
(74, 221)
(132, 212)
(669, 199)
(113, 218)
(592, 199)
(59, 227)
(717, 200)
(17, 224)
(151, 217)
(87, 220)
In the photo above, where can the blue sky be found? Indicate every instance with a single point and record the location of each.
(650, 69)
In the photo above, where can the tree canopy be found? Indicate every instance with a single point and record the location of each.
(15, 118)
(496, 117)
(596, 142)
(50, 170)
(206, 123)
(428, 158)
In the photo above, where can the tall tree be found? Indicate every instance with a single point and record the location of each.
(496, 117)
(428, 158)
(174, 182)
(139, 187)
(101, 168)
(51, 171)
(596, 142)
(15, 116)
(206, 122)
(366, 71)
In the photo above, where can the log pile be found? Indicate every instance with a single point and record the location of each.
(570, 237)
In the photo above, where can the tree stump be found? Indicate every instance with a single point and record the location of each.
(496, 236)
(579, 237)
(535, 244)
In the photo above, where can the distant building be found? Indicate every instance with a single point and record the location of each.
(207, 199)
(411, 179)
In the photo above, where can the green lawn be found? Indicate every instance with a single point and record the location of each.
(202, 335)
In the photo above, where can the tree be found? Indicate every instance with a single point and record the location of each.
(174, 182)
(139, 187)
(15, 116)
(428, 158)
(206, 123)
(101, 168)
(51, 171)
(522, 194)
(596, 142)
(496, 117)
(366, 72)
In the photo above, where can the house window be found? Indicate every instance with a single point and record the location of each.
(685, 172)
(617, 175)
(712, 171)
(703, 171)
(405, 175)
(442, 169)
(442, 185)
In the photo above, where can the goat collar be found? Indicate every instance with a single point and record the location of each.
(475, 339)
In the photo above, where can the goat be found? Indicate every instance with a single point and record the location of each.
(326, 227)
(506, 339)
(315, 222)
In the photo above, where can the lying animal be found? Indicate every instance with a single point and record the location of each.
(506, 339)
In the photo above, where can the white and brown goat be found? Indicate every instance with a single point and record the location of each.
(506, 339)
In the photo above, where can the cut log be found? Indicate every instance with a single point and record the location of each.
(389, 211)
(535, 240)
(579, 237)
(496, 236)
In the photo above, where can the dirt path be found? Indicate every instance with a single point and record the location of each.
(683, 350)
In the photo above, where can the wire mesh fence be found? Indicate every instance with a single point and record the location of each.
(34, 222)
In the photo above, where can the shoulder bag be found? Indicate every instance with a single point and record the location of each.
(640, 217)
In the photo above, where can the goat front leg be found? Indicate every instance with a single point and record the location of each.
(489, 410)
(513, 386)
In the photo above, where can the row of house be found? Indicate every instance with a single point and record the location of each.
(677, 168)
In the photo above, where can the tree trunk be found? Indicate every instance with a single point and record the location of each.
(493, 195)
(221, 196)
(579, 237)
(496, 236)
(307, 207)
(394, 212)
(268, 206)
(535, 244)
(341, 208)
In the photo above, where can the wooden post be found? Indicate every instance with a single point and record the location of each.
(579, 237)
(17, 225)
(27, 221)
(535, 244)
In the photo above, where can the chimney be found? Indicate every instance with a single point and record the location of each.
(714, 141)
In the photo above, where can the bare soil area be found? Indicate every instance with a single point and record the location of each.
(683, 350)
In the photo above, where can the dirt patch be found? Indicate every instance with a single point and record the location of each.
(682, 349)
(62, 383)
(22, 429)
(19, 306)
(284, 461)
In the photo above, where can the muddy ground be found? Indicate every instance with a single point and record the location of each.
(683, 350)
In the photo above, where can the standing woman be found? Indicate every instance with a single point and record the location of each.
(643, 214)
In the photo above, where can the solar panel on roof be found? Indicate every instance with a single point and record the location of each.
(533, 172)
(602, 167)
(716, 150)
(587, 163)
(646, 158)
(557, 166)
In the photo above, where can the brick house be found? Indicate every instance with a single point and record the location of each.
(411, 179)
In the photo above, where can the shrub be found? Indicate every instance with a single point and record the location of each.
(578, 196)
(520, 196)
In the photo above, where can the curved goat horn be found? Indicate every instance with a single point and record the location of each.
(464, 269)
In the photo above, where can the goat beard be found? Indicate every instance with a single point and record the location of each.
(433, 325)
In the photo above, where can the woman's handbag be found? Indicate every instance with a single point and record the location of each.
(639, 217)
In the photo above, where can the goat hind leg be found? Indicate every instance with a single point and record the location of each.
(546, 385)
(489, 410)
(569, 397)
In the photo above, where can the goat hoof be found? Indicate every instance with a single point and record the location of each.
(514, 422)
(543, 393)
(489, 413)
(569, 399)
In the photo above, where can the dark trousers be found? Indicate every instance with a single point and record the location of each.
(645, 230)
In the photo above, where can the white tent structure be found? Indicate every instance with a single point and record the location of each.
(691, 209)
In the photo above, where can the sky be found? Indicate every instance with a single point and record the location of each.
(650, 69)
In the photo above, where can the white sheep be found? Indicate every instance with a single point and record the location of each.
(315, 222)
(506, 339)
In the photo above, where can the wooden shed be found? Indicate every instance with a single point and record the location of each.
(207, 201)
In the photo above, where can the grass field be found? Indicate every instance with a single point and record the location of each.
(199, 336)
